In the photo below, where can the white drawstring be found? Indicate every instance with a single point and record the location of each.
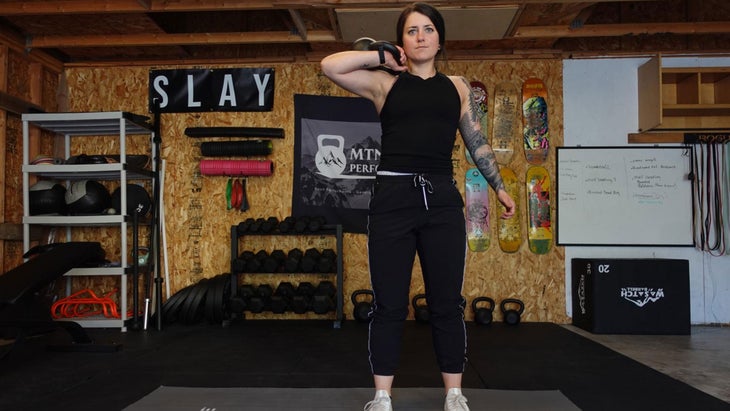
(426, 186)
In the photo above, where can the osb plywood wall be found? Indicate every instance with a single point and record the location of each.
(21, 76)
(198, 224)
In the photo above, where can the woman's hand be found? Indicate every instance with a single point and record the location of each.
(507, 202)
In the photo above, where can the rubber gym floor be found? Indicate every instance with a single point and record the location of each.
(312, 353)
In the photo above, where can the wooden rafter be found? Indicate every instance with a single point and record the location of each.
(613, 30)
(157, 39)
(18, 8)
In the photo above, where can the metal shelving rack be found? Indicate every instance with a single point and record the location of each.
(89, 124)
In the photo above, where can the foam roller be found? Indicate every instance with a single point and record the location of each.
(236, 148)
(236, 167)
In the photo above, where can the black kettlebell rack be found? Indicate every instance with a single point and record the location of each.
(323, 230)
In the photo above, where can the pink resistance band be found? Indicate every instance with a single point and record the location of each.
(236, 167)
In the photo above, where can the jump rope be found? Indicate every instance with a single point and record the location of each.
(711, 174)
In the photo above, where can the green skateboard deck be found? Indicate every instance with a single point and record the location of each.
(509, 232)
(539, 223)
(477, 210)
(535, 133)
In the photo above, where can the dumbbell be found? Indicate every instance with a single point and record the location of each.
(287, 224)
(255, 226)
(327, 260)
(278, 304)
(293, 260)
(244, 226)
(302, 300)
(301, 224)
(269, 225)
(308, 263)
(281, 300)
(270, 264)
(362, 309)
(261, 300)
(323, 300)
(316, 223)
(511, 316)
(420, 311)
(483, 315)
(254, 263)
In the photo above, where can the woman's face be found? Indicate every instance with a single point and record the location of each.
(420, 38)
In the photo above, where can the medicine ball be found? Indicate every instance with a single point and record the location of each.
(138, 200)
(46, 197)
(87, 197)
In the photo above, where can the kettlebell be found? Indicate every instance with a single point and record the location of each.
(511, 316)
(420, 311)
(362, 309)
(483, 315)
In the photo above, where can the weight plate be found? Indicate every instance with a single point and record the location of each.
(210, 301)
(170, 315)
(191, 308)
(220, 288)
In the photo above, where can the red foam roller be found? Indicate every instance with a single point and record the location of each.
(236, 167)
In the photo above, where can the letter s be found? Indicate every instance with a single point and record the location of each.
(157, 84)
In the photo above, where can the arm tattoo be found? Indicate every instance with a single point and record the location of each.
(480, 151)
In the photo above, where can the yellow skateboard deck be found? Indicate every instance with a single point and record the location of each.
(535, 133)
(539, 222)
(506, 123)
(509, 232)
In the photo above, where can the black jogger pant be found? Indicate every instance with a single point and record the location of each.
(428, 219)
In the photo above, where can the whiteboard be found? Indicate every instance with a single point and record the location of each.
(634, 196)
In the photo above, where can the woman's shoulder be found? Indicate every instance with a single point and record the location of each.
(461, 84)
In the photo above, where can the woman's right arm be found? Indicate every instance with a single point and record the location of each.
(352, 70)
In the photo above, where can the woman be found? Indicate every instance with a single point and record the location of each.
(416, 207)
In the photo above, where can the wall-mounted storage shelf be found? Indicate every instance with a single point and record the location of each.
(76, 125)
(695, 98)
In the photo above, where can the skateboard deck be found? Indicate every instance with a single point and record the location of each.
(535, 134)
(477, 210)
(479, 90)
(539, 226)
(509, 232)
(505, 122)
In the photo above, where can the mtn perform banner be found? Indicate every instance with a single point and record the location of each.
(336, 156)
(201, 90)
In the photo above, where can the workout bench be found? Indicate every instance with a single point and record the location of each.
(23, 309)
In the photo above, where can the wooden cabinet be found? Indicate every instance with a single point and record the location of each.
(696, 98)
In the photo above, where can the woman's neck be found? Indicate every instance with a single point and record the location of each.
(424, 71)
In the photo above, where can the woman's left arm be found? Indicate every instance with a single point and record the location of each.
(476, 142)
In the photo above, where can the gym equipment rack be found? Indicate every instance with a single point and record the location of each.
(325, 230)
(84, 125)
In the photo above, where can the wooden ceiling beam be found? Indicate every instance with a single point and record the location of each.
(299, 23)
(18, 8)
(191, 39)
(628, 29)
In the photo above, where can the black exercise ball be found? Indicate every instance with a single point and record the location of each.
(46, 197)
(87, 197)
(138, 200)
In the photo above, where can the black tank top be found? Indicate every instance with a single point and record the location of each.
(419, 121)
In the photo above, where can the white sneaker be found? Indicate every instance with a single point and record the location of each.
(381, 402)
(455, 401)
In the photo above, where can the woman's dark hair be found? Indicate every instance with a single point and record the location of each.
(428, 11)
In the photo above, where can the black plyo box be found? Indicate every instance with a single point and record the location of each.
(631, 296)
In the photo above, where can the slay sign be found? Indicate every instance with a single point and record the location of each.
(199, 90)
